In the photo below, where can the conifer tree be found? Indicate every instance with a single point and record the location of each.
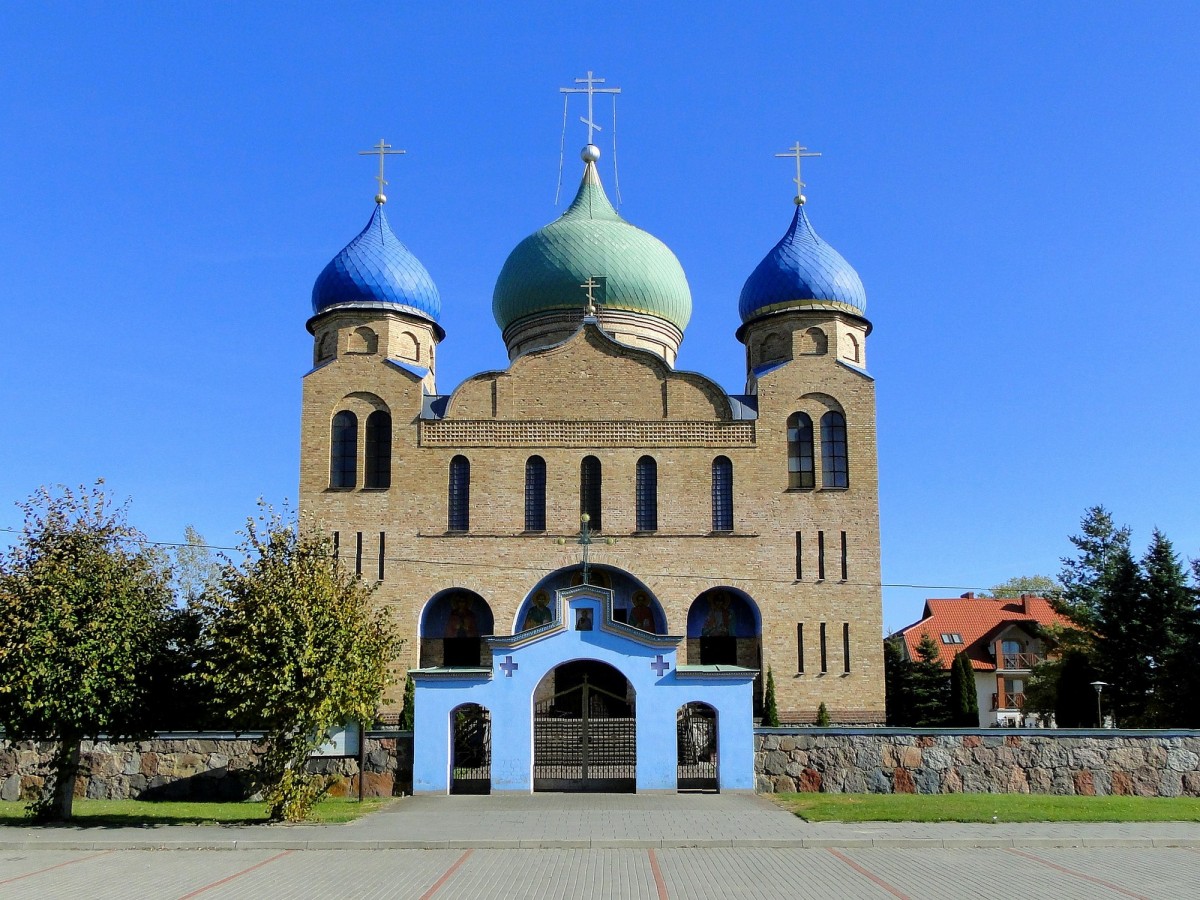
(963, 696)
(409, 713)
(897, 674)
(1168, 608)
(930, 686)
(770, 717)
(823, 715)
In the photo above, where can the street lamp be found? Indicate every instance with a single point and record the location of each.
(1099, 686)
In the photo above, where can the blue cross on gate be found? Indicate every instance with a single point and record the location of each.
(660, 665)
(509, 666)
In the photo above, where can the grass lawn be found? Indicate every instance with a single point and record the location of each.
(167, 812)
(982, 807)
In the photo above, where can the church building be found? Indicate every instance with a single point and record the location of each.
(594, 556)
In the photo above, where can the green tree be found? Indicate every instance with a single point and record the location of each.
(1038, 585)
(770, 716)
(294, 649)
(82, 606)
(930, 686)
(1169, 604)
(1074, 698)
(408, 713)
(898, 689)
(822, 715)
(964, 698)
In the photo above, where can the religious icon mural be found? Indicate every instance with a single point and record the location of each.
(452, 629)
(641, 615)
(539, 612)
(722, 629)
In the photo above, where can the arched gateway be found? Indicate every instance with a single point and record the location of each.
(585, 701)
(584, 729)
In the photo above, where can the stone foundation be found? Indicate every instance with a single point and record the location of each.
(999, 761)
(201, 766)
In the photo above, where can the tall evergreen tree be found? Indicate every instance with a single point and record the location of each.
(964, 699)
(1168, 609)
(930, 686)
(897, 674)
(1075, 699)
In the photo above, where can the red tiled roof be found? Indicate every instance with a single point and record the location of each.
(975, 618)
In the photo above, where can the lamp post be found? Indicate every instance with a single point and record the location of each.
(1099, 686)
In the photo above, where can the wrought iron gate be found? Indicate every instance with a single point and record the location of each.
(471, 762)
(584, 739)
(696, 727)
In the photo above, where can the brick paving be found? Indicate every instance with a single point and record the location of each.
(623, 846)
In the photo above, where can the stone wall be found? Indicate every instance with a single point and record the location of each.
(201, 766)
(1024, 761)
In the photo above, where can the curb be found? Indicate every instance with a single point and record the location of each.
(613, 844)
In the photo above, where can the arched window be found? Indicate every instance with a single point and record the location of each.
(589, 490)
(835, 467)
(379, 451)
(647, 494)
(800, 451)
(343, 453)
(722, 494)
(459, 505)
(535, 494)
(851, 348)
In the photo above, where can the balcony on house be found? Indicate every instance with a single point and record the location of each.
(1011, 700)
(1020, 660)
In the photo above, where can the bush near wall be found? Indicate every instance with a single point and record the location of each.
(935, 761)
(200, 766)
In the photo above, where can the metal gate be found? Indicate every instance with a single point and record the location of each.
(696, 728)
(584, 739)
(471, 760)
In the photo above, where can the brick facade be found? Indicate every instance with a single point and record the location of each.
(592, 395)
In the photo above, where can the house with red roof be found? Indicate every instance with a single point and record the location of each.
(1003, 639)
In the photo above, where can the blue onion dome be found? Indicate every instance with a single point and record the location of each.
(544, 272)
(376, 269)
(802, 271)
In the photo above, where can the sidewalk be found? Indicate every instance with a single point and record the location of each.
(555, 821)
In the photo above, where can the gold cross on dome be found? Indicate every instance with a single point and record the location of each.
(800, 154)
(591, 90)
(381, 150)
(590, 286)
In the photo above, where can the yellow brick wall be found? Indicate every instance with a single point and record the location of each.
(592, 379)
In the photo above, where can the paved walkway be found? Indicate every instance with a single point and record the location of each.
(598, 821)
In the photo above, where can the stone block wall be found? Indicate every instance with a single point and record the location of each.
(200, 766)
(997, 761)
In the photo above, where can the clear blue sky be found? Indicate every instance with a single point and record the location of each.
(1016, 183)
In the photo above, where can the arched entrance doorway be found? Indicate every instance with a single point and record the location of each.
(696, 728)
(584, 730)
(471, 750)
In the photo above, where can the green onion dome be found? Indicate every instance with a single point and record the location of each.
(636, 271)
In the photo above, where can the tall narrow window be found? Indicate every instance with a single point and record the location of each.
(381, 555)
(337, 544)
(535, 494)
(358, 554)
(722, 494)
(589, 491)
(800, 451)
(845, 562)
(821, 557)
(379, 451)
(459, 512)
(835, 467)
(343, 454)
(799, 556)
(800, 648)
(846, 647)
(824, 651)
(647, 494)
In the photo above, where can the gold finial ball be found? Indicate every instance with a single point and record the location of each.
(380, 199)
(800, 200)
(585, 518)
(561, 541)
(590, 153)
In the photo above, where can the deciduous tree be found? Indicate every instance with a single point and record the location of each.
(82, 609)
(295, 649)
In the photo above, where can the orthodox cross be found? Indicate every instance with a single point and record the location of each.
(509, 666)
(591, 90)
(590, 285)
(660, 665)
(585, 541)
(381, 150)
(799, 153)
